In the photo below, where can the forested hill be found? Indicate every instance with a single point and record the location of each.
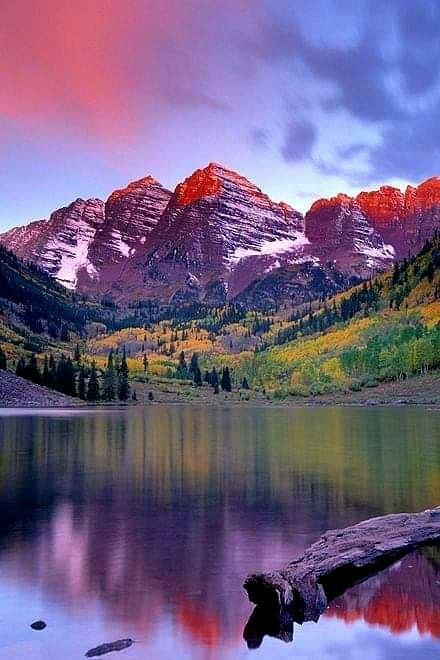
(30, 300)
(412, 283)
(385, 329)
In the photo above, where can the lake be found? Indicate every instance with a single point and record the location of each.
(143, 523)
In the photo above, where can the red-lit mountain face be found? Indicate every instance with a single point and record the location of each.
(218, 237)
(218, 234)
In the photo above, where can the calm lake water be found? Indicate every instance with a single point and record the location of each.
(143, 523)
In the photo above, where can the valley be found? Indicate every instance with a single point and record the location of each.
(215, 281)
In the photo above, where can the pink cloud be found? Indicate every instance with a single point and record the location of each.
(108, 66)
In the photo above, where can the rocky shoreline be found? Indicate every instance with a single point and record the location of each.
(16, 392)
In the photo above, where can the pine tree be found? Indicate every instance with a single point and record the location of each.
(430, 272)
(70, 386)
(82, 384)
(123, 385)
(3, 361)
(194, 364)
(93, 385)
(214, 377)
(64, 333)
(226, 380)
(145, 363)
(198, 377)
(110, 381)
(52, 370)
(245, 384)
(46, 376)
(32, 371)
(62, 376)
(20, 369)
(77, 354)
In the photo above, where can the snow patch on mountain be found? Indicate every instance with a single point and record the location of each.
(276, 247)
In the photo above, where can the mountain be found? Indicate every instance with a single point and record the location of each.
(78, 240)
(405, 220)
(219, 238)
(130, 215)
(59, 245)
(340, 233)
(218, 233)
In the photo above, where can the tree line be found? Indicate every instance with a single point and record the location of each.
(77, 379)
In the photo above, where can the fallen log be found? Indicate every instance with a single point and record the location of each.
(338, 560)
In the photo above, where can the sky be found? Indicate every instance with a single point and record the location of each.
(306, 99)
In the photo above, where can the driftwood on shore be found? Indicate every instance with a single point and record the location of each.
(338, 560)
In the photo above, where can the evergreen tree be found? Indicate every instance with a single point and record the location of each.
(93, 393)
(145, 363)
(245, 384)
(52, 369)
(110, 380)
(46, 376)
(396, 274)
(214, 377)
(3, 361)
(65, 376)
(226, 380)
(123, 385)
(32, 371)
(194, 364)
(64, 333)
(82, 393)
(20, 369)
(198, 377)
(70, 377)
(77, 354)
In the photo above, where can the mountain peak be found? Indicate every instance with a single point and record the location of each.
(337, 200)
(138, 185)
(201, 183)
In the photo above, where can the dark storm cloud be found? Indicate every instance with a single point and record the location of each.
(299, 140)
(386, 76)
(410, 149)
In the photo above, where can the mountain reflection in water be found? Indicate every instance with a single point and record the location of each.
(144, 523)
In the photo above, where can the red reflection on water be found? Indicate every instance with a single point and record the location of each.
(402, 598)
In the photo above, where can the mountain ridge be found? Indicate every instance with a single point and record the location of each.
(218, 237)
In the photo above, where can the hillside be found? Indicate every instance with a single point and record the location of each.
(386, 329)
(36, 311)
